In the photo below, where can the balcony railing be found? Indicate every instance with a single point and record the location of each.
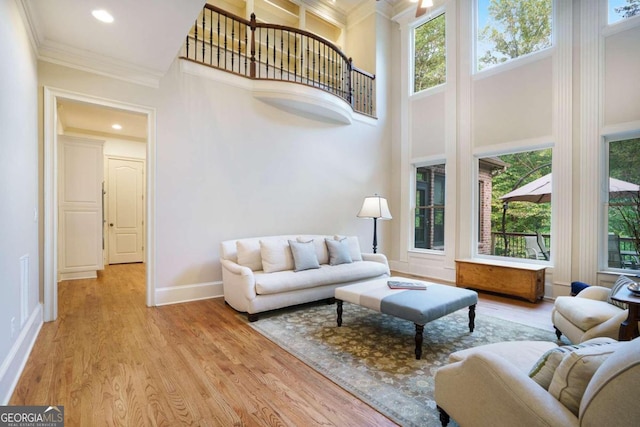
(274, 52)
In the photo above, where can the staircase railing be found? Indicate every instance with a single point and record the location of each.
(274, 52)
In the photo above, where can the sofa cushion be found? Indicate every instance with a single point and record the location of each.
(354, 246)
(574, 372)
(321, 247)
(248, 253)
(304, 255)
(276, 255)
(621, 282)
(585, 313)
(338, 251)
(522, 354)
(284, 281)
(544, 369)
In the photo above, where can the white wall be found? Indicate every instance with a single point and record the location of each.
(546, 98)
(19, 194)
(229, 166)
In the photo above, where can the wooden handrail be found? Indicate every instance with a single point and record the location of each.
(277, 52)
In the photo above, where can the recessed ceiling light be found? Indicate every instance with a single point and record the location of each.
(102, 15)
(116, 126)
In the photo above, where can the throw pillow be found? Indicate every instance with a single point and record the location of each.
(276, 255)
(354, 246)
(575, 371)
(622, 281)
(338, 251)
(304, 255)
(321, 248)
(248, 253)
(543, 370)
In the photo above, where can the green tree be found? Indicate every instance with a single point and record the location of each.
(632, 8)
(522, 217)
(430, 55)
(515, 28)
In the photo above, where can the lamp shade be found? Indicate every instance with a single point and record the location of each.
(375, 207)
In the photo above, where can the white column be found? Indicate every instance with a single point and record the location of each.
(562, 152)
(589, 142)
(466, 184)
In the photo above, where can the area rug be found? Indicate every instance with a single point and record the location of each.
(372, 355)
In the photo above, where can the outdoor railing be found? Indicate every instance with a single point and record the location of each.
(274, 52)
(516, 242)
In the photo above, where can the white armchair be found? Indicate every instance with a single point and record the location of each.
(587, 315)
(490, 386)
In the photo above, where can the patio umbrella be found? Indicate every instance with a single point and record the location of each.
(539, 190)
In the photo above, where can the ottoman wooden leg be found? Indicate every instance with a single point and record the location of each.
(419, 330)
(339, 308)
(472, 317)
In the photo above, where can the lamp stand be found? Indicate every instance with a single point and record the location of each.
(375, 235)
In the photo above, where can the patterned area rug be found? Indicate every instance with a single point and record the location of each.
(372, 355)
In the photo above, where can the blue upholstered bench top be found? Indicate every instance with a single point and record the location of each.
(419, 306)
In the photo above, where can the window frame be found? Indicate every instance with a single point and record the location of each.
(476, 205)
(436, 13)
(512, 62)
(414, 206)
(604, 203)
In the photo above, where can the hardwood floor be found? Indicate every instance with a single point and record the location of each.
(110, 360)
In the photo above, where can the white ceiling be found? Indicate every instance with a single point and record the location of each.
(139, 46)
(98, 120)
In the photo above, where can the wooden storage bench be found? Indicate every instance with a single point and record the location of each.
(515, 279)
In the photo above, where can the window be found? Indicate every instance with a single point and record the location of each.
(429, 219)
(621, 9)
(623, 242)
(515, 205)
(429, 56)
(508, 29)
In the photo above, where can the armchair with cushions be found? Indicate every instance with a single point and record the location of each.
(591, 313)
(539, 384)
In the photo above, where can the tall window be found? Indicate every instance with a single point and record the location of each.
(622, 9)
(515, 205)
(429, 219)
(623, 243)
(429, 56)
(508, 29)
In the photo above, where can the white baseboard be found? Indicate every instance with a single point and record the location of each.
(14, 363)
(76, 275)
(186, 293)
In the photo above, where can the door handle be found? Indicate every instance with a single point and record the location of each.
(110, 224)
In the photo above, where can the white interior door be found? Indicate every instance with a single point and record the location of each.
(80, 176)
(125, 221)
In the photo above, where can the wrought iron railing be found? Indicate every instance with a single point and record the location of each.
(274, 52)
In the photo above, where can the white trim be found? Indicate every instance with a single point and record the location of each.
(14, 363)
(424, 93)
(512, 147)
(514, 63)
(621, 130)
(74, 275)
(187, 293)
(428, 161)
(50, 299)
(620, 26)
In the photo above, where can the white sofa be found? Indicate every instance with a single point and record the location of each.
(258, 274)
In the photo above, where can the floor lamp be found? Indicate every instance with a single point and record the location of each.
(375, 207)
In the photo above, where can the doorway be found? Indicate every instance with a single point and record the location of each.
(53, 98)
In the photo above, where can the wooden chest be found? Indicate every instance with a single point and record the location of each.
(509, 278)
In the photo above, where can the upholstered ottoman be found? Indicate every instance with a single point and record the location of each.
(417, 306)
